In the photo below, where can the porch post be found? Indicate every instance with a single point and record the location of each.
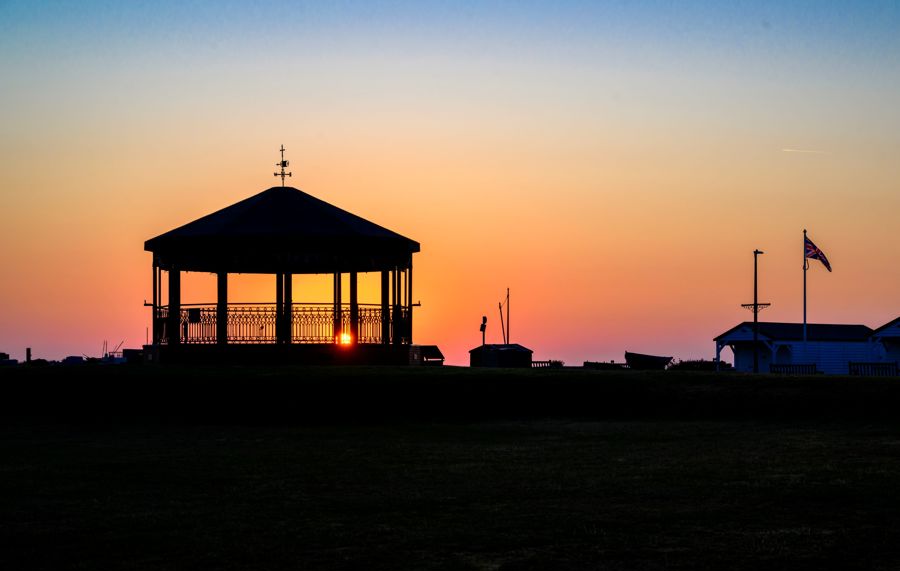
(287, 325)
(354, 309)
(718, 353)
(222, 308)
(279, 307)
(338, 318)
(385, 309)
(174, 325)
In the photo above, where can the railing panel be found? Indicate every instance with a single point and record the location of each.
(315, 324)
(369, 325)
(310, 323)
(251, 324)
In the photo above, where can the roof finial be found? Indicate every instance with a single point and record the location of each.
(283, 164)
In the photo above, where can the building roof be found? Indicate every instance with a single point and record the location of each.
(887, 326)
(510, 347)
(814, 331)
(281, 229)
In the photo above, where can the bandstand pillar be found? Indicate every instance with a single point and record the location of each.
(286, 326)
(385, 308)
(354, 309)
(174, 321)
(338, 318)
(222, 308)
(409, 303)
(395, 306)
(279, 307)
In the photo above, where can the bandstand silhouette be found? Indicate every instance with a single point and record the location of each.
(283, 231)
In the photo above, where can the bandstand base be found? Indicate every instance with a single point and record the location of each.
(272, 354)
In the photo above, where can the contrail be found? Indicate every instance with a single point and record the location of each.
(807, 151)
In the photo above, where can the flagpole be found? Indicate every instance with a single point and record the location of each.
(804, 293)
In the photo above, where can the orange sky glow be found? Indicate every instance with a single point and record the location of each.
(618, 193)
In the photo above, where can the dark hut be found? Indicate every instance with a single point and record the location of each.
(500, 355)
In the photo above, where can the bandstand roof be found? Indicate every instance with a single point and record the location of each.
(281, 229)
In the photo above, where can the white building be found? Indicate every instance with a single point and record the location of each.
(886, 340)
(829, 348)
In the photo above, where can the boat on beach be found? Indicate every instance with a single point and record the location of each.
(642, 362)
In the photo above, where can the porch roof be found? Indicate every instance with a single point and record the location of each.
(794, 332)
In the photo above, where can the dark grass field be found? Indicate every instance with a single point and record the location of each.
(411, 469)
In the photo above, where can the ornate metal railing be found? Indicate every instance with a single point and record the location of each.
(257, 323)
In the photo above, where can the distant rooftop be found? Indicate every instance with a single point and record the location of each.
(501, 347)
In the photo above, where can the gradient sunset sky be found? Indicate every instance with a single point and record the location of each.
(613, 163)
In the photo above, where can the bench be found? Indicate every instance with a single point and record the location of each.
(890, 369)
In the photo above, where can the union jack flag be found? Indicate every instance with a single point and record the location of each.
(813, 252)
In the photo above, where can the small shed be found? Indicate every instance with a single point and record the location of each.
(500, 355)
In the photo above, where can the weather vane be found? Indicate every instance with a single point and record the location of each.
(283, 164)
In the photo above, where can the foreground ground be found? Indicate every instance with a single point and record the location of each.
(150, 487)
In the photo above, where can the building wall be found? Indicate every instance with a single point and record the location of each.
(743, 358)
(831, 357)
(490, 357)
(889, 350)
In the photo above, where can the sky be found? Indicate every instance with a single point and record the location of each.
(614, 164)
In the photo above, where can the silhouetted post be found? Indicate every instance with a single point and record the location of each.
(354, 309)
(338, 321)
(27, 354)
(287, 318)
(279, 306)
(174, 325)
(756, 254)
(155, 318)
(805, 267)
(385, 308)
(395, 306)
(755, 307)
(222, 308)
(409, 302)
